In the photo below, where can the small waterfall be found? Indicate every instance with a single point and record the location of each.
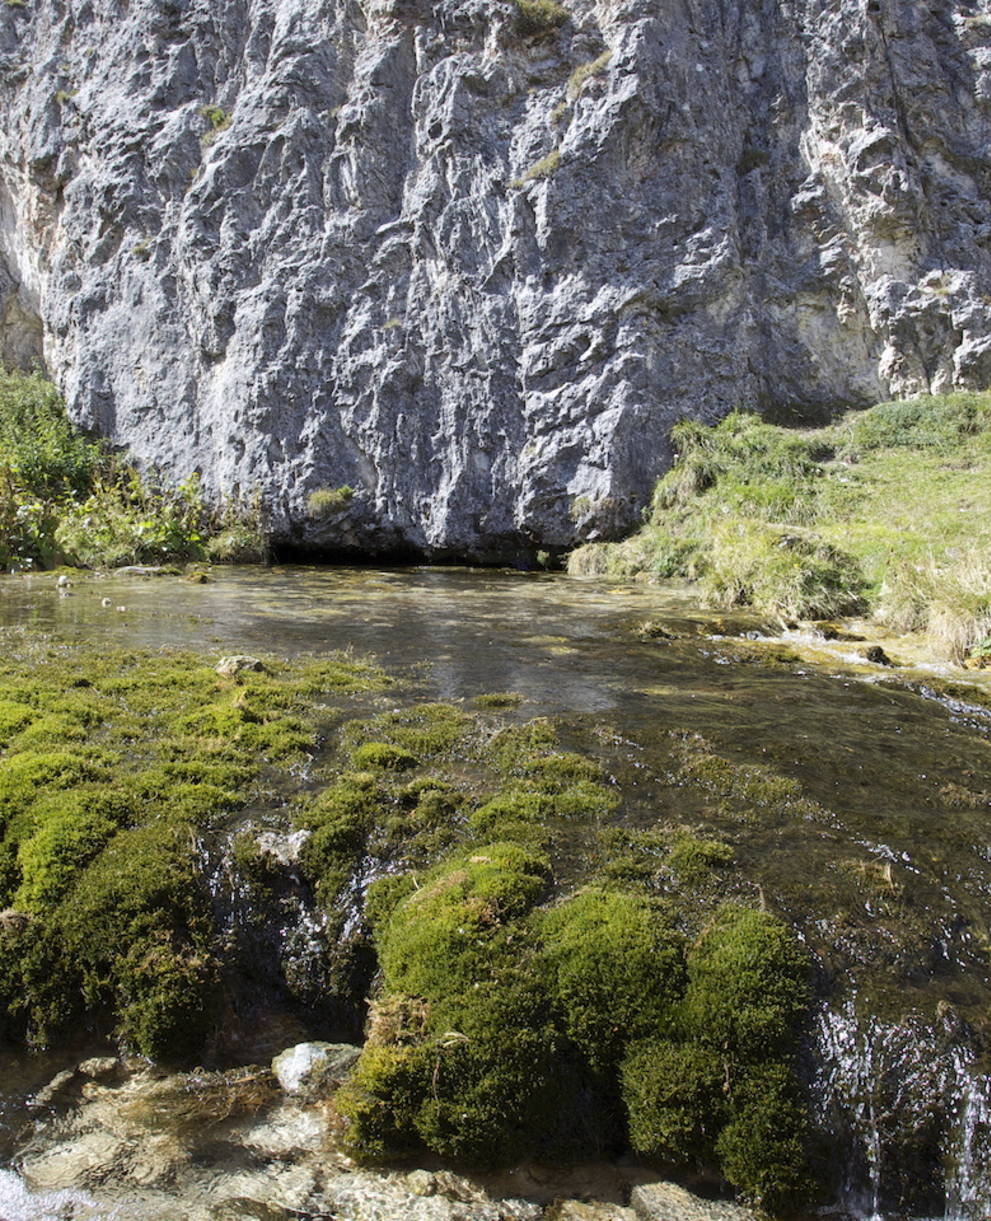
(910, 1113)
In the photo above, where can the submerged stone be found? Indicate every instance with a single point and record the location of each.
(668, 1202)
(310, 1067)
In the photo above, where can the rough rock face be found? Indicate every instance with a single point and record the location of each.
(475, 273)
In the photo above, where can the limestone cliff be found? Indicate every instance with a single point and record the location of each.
(474, 268)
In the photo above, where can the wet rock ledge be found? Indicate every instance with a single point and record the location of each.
(258, 1144)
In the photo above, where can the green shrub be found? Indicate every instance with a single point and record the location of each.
(66, 498)
(128, 520)
(40, 451)
(538, 17)
(326, 502)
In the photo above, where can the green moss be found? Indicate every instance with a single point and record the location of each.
(675, 1101)
(749, 792)
(26, 776)
(693, 859)
(749, 987)
(498, 700)
(164, 791)
(614, 969)
(632, 857)
(235, 729)
(72, 828)
(555, 772)
(764, 1149)
(425, 731)
(444, 937)
(13, 718)
(165, 997)
(473, 1070)
(383, 897)
(381, 1099)
(382, 755)
(338, 673)
(340, 817)
(492, 1085)
(515, 814)
(49, 731)
(428, 822)
(128, 939)
(513, 748)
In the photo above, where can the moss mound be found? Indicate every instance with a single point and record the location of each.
(614, 969)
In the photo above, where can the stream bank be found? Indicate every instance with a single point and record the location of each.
(849, 803)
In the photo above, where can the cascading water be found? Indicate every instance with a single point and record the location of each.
(909, 1109)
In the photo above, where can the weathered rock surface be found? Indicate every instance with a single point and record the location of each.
(668, 1202)
(474, 275)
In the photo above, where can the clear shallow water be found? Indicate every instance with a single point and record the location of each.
(887, 874)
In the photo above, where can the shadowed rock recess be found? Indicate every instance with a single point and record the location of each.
(469, 261)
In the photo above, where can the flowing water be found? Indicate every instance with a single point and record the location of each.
(884, 865)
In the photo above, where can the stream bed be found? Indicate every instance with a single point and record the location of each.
(883, 866)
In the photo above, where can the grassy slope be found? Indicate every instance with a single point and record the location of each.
(888, 510)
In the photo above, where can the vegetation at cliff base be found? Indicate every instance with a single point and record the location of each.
(886, 511)
(67, 499)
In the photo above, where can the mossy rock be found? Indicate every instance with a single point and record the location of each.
(166, 998)
(381, 1098)
(748, 986)
(382, 756)
(614, 969)
(764, 1149)
(449, 935)
(675, 1101)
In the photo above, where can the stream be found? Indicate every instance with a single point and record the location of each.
(886, 874)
